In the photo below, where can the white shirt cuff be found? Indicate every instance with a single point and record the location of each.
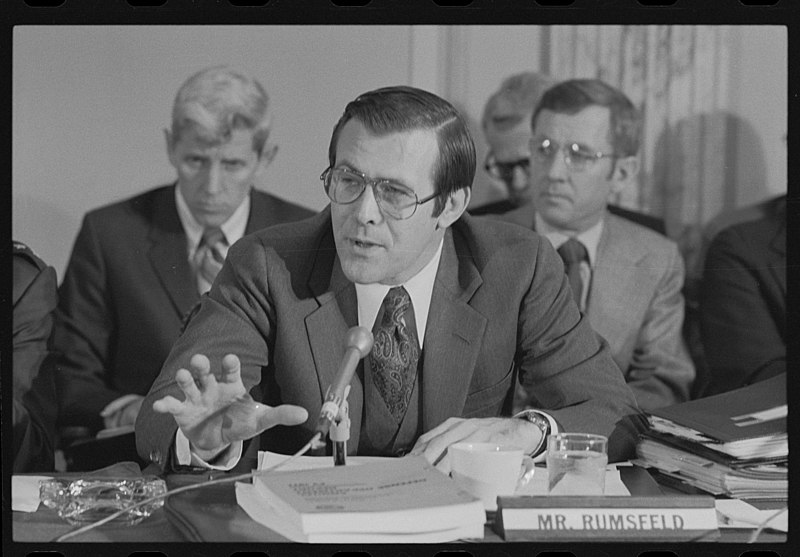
(226, 460)
(553, 430)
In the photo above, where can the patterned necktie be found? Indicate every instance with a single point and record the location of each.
(573, 253)
(209, 257)
(395, 353)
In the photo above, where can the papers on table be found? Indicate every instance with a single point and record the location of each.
(25, 492)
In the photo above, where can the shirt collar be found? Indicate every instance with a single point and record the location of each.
(233, 228)
(419, 288)
(590, 238)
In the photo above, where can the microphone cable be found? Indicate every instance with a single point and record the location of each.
(181, 489)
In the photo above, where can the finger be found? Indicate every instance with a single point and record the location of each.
(185, 380)
(111, 421)
(118, 404)
(231, 369)
(167, 405)
(285, 414)
(129, 414)
(437, 446)
(425, 438)
(201, 371)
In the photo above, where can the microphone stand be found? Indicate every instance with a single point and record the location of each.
(340, 433)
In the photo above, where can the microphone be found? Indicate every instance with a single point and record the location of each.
(358, 343)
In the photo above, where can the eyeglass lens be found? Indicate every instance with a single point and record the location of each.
(344, 186)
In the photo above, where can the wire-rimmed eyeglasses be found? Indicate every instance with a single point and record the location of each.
(343, 186)
(504, 170)
(577, 158)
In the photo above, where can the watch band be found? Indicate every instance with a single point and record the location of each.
(540, 421)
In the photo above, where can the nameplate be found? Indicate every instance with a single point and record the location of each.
(572, 518)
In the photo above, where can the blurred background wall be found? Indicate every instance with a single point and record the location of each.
(90, 105)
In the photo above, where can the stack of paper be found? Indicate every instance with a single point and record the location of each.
(734, 443)
(403, 500)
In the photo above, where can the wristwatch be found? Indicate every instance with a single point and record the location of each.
(539, 421)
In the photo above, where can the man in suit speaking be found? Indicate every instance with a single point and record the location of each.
(459, 307)
(139, 265)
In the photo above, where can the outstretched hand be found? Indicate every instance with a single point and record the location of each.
(218, 411)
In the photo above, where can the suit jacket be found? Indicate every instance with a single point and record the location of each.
(126, 290)
(500, 303)
(743, 303)
(635, 303)
(506, 205)
(34, 402)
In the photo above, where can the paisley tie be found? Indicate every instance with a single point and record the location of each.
(395, 353)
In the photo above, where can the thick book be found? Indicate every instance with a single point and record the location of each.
(258, 509)
(398, 496)
(745, 423)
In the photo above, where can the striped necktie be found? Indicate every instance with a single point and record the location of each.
(573, 252)
(209, 257)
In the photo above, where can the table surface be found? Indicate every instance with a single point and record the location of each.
(218, 518)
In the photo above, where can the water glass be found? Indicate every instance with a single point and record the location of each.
(576, 464)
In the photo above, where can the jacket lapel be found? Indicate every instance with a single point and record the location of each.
(327, 325)
(167, 253)
(453, 337)
(616, 271)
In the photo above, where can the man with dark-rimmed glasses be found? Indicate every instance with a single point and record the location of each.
(460, 309)
(626, 278)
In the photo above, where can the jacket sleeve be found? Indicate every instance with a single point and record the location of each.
(83, 335)
(661, 371)
(566, 366)
(34, 399)
(742, 340)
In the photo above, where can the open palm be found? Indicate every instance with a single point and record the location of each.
(218, 411)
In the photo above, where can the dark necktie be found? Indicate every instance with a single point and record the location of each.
(209, 257)
(573, 252)
(395, 353)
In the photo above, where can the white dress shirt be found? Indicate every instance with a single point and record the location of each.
(233, 229)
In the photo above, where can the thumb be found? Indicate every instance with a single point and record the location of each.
(285, 414)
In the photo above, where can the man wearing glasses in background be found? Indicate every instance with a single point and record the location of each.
(626, 278)
(507, 130)
(460, 308)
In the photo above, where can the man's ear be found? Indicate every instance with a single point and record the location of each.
(170, 147)
(268, 152)
(454, 207)
(625, 172)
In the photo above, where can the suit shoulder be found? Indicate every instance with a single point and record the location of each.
(293, 211)
(140, 201)
(488, 236)
(292, 233)
(638, 234)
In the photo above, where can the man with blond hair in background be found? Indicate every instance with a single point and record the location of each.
(138, 266)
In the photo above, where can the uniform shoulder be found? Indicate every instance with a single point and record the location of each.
(25, 257)
(26, 268)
